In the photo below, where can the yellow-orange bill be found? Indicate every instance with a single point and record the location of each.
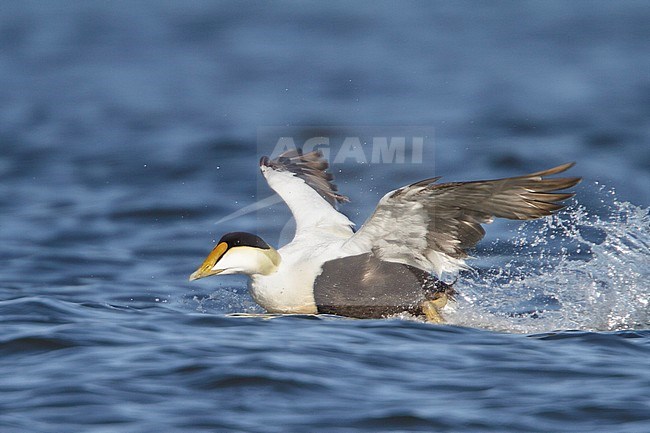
(205, 270)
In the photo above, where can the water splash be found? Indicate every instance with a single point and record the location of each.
(578, 269)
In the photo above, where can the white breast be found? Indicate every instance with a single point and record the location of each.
(291, 288)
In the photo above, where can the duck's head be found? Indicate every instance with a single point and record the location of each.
(239, 253)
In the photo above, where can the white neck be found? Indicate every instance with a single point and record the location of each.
(249, 261)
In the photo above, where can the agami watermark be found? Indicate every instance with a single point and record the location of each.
(345, 145)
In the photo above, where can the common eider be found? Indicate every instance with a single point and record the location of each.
(394, 262)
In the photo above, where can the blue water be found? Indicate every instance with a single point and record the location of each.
(129, 129)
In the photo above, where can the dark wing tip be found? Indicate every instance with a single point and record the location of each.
(550, 171)
(542, 195)
(310, 167)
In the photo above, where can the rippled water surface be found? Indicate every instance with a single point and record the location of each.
(127, 130)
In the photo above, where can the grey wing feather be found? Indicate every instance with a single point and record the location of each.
(453, 213)
(457, 210)
(310, 167)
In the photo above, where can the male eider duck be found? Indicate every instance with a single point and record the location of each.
(394, 262)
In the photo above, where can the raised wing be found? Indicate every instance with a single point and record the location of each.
(302, 180)
(432, 226)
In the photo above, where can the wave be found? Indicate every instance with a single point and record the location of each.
(579, 269)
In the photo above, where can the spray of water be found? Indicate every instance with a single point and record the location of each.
(579, 269)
